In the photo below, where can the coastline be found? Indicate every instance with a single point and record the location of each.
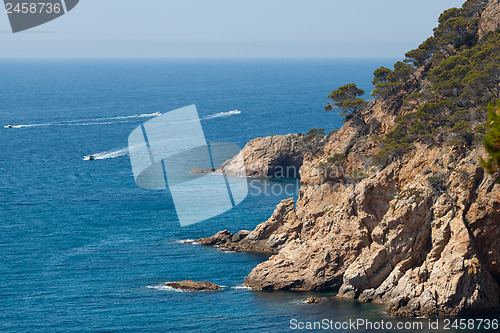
(416, 231)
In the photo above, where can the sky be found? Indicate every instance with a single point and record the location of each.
(229, 29)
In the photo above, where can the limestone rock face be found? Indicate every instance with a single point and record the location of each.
(276, 156)
(420, 235)
(490, 18)
(397, 239)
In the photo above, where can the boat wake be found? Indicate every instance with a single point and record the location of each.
(222, 114)
(124, 151)
(90, 122)
(107, 154)
(113, 120)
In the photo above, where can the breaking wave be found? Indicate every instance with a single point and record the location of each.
(241, 287)
(186, 241)
(163, 287)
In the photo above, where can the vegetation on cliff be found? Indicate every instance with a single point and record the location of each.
(442, 88)
(492, 139)
(348, 99)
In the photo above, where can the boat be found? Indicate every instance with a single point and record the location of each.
(9, 126)
(91, 157)
(157, 113)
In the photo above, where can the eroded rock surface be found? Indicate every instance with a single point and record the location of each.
(276, 156)
(490, 18)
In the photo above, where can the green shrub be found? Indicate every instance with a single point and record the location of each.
(337, 159)
(314, 133)
(438, 184)
(480, 129)
(492, 139)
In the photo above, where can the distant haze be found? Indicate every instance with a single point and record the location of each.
(230, 28)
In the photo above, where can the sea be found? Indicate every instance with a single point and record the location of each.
(84, 249)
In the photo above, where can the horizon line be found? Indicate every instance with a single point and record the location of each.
(196, 58)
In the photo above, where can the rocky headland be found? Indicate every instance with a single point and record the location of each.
(418, 231)
(276, 156)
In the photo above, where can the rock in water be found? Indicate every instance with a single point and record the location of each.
(268, 237)
(312, 300)
(193, 285)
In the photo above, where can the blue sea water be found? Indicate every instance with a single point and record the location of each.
(82, 248)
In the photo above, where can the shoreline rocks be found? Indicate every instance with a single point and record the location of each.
(268, 238)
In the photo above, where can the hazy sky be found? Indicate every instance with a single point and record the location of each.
(230, 28)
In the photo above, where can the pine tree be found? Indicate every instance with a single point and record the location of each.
(347, 98)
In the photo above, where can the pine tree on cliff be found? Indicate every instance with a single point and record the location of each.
(492, 139)
(347, 98)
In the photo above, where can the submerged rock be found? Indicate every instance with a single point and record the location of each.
(200, 170)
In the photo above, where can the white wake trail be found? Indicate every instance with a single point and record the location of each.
(223, 114)
(88, 122)
(125, 151)
(107, 154)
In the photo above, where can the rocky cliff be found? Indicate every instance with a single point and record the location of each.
(490, 18)
(419, 234)
(276, 156)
